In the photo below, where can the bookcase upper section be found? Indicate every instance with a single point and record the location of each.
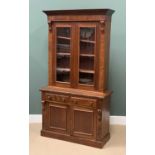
(79, 42)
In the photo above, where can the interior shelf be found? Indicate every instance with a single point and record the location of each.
(63, 54)
(87, 55)
(63, 69)
(86, 71)
(86, 81)
(61, 37)
(88, 41)
(63, 48)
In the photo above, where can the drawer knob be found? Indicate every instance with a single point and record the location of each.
(91, 104)
(57, 98)
(49, 97)
(63, 99)
(74, 101)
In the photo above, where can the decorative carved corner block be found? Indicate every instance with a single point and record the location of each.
(43, 105)
(42, 101)
(99, 114)
(50, 25)
(102, 23)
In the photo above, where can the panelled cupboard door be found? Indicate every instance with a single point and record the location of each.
(62, 54)
(58, 117)
(83, 122)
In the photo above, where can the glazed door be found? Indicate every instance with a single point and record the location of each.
(83, 122)
(62, 54)
(87, 55)
(74, 55)
(57, 117)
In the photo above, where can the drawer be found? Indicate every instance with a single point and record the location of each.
(84, 102)
(56, 98)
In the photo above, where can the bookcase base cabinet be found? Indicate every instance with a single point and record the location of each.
(76, 118)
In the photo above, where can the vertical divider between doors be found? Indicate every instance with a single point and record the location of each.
(75, 56)
(71, 120)
(78, 53)
(96, 63)
(72, 56)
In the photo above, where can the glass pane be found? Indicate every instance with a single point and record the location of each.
(63, 32)
(86, 78)
(86, 48)
(87, 63)
(63, 55)
(87, 34)
(86, 58)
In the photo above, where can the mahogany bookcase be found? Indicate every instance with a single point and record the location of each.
(75, 104)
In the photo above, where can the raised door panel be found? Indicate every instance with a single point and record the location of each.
(83, 122)
(58, 118)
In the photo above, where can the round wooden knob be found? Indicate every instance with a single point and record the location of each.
(75, 102)
(63, 99)
(49, 97)
(54, 97)
(58, 98)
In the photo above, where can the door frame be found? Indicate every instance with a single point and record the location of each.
(53, 53)
(62, 106)
(96, 53)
